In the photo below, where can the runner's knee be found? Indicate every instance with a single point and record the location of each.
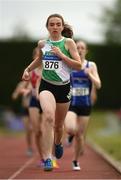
(49, 118)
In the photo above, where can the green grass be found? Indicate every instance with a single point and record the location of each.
(7, 132)
(104, 134)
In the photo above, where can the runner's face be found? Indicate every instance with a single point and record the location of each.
(55, 26)
(82, 49)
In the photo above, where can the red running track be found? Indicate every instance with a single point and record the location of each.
(15, 165)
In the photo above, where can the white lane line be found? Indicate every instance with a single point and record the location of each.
(21, 169)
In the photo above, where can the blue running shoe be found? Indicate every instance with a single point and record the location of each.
(58, 150)
(48, 165)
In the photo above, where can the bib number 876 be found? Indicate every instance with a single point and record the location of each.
(51, 65)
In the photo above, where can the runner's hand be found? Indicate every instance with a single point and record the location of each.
(26, 76)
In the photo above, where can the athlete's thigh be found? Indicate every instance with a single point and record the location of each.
(47, 101)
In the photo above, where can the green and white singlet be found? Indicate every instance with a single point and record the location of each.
(55, 70)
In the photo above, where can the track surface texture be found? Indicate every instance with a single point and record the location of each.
(14, 164)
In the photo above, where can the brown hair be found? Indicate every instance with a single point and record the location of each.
(67, 31)
(55, 15)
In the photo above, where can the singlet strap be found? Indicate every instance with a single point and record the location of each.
(87, 65)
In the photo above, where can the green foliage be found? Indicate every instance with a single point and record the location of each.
(15, 56)
(108, 60)
(112, 23)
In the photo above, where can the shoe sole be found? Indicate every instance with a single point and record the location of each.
(48, 169)
(76, 169)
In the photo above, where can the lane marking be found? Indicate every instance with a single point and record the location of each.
(21, 169)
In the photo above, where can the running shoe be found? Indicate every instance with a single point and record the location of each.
(69, 140)
(40, 164)
(48, 165)
(76, 166)
(55, 164)
(58, 150)
(29, 152)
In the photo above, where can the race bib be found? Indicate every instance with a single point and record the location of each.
(52, 65)
(80, 91)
